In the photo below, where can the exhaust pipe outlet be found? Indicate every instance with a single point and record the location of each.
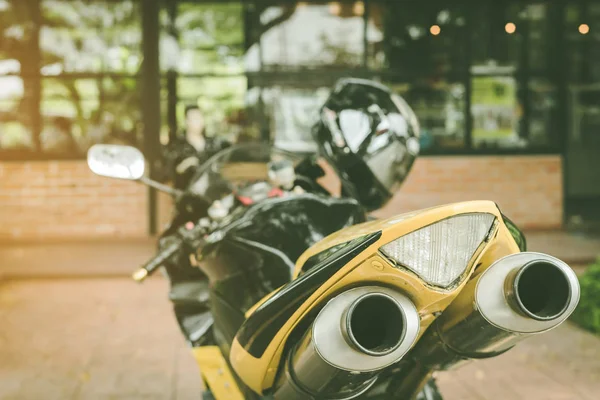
(374, 324)
(357, 334)
(518, 296)
(524, 294)
(539, 290)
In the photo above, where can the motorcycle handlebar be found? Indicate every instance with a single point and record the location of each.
(187, 235)
(156, 262)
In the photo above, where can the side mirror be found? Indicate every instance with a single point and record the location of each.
(116, 161)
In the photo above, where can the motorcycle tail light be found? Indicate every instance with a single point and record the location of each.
(440, 253)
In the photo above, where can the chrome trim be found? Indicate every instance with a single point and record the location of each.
(333, 347)
(493, 301)
(348, 332)
(327, 363)
(482, 322)
(515, 299)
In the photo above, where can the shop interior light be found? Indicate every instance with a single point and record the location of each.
(510, 28)
(584, 29)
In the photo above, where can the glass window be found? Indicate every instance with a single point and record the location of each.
(67, 108)
(120, 110)
(543, 113)
(574, 41)
(494, 38)
(513, 105)
(211, 38)
(306, 34)
(18, 84)
(512, 35)
(583, 42)
(15, 131)
(89, 111)
(291, 114)
(585, 115)
(537, 22)
(96, 36)
(218, 97)
(440, 108)
(422, 39)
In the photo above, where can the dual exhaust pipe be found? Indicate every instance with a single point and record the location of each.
(356, 335)
(364, 330)
(518, 296)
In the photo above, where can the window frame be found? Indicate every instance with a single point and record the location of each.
(523, 75)
(296, 76)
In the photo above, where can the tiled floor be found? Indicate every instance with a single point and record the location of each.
(112, 339)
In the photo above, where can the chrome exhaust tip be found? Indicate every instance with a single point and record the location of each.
(375, 324)
(539, 290)
(518, 296)
(527, 293)
(355, 335)
(366, 328)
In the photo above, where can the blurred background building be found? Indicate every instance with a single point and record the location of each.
(507, 93)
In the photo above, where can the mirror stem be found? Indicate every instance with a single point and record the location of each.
(160, 186)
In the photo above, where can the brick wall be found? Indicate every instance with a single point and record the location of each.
(528, 189)
(63, 199)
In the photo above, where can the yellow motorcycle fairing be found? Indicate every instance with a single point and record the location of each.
(216, 373)
(368, 266)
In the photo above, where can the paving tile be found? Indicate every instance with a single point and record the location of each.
(112, 339)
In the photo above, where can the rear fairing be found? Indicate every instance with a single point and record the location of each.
(255, 254)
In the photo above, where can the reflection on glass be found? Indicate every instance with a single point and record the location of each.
(582, 45)
(585, 116)
(308, 35)
(15, 133)
(292, 113)
(211, 37)
(16, 95)
(540, 33)
(440, 112)
(11, 93)
(502, 29)
(90, 36)
(419, 38)
(543, 113)
(67, 107)
(120, 109)
(77, 113)
(218, 98)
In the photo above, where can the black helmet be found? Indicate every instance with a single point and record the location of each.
(370, 136)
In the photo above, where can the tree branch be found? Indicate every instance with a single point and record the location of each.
(288, 11)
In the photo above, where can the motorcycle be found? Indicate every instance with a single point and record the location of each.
(295, 294)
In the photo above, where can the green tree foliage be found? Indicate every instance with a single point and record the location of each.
(211, 41)
(587, 313)
(91, 57)
(76, 39)
(19, 27)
